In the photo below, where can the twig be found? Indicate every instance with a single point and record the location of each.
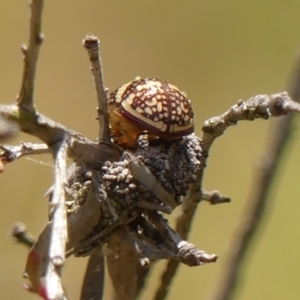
(258, 199)
(80, 148)
(92, 45)
(14, 152)
(31, 54)
(260, 106)
(59, 228)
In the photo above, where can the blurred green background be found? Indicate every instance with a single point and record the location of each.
(216, 51)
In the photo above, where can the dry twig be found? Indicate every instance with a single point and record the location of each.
(261, 106)
(59, 233)
(31, 54)
(92, 45)
(258, 199)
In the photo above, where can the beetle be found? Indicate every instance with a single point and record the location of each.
(149, 106)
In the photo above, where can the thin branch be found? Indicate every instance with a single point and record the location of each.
(260, 106)
(51, 132)
(31, 54)
(59, 233)
(258, 199)
(15, 152)
(47, 130)
(92, 45)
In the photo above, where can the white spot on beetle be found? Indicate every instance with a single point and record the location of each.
(148, 111)
(159, 106)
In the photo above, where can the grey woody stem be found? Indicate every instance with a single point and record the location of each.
(92, 45)
(31, 54)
